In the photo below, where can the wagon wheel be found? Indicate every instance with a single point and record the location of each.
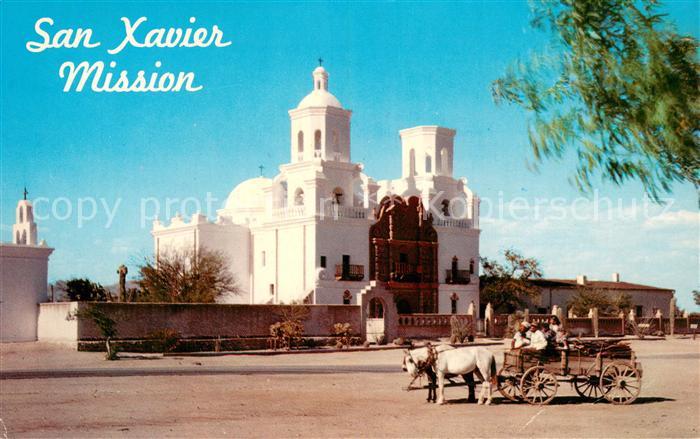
(508, 383)
(588, 385)
(620, 382)
(537, 386)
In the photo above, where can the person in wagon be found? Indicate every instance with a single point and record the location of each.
(561, 335)
(521, 337)
(538, 341)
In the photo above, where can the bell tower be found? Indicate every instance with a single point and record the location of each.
(24, 229)
(320, 125)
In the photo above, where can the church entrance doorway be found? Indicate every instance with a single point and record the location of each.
(375, 320)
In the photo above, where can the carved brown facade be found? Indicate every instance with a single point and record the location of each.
(404, 252)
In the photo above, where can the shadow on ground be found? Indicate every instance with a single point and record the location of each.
(567, 400)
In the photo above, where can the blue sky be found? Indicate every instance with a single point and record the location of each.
(395, 65)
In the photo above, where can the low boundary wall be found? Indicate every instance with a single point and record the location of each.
(430, 325)
(191, 321)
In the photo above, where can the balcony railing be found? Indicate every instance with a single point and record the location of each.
(457, 277)
(288, 212)
(453, 222)
(405, 272)
(336, 211)
(349, 272)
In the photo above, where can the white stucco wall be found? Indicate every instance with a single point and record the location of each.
(231, 239)
(23, 284)
(53, 325)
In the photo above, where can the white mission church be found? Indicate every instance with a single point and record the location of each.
(323, 232)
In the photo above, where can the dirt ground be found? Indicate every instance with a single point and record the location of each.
(319, 402)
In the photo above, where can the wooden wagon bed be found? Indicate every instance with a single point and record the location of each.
(600, 369)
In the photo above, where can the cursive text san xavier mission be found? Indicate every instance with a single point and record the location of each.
(103, 77)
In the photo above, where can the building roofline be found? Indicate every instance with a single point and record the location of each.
(603, 285)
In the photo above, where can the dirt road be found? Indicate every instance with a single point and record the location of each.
(368, 402)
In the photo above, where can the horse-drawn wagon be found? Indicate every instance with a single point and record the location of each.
(597, 369)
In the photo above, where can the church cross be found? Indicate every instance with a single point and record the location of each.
(261, 167)
(320, 62)
(25, 192)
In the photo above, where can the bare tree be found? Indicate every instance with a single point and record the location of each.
(188, 276)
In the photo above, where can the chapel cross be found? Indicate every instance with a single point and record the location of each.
(261, 167)
(320, 62)
(25, 192)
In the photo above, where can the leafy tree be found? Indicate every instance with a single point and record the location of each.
(83, 290)
(620, 87)
(186, 277)
(696, 297)
(106, 325)
(506, 286)
(587, 298)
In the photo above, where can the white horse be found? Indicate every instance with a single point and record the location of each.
(414, 361)
(419, 361)
(461, 361)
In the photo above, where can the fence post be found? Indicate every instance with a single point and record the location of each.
(622, 319)
(594, 318)
(672, 315)
(488, 320)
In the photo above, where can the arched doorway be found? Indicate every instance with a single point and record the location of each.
(375, 320)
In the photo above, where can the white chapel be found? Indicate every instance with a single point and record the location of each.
(323, 232)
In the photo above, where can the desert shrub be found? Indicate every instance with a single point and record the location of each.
(343, 334)
(286, 334)
(460, 331)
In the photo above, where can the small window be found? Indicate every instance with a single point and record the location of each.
(428, 164)
(446, 207)
(471, 267)
(403, 258)
(454, 305)
(300, 141)
(639, 309)
(272, 289)
(337, 196)
(317, 140)
(299, 197)
(323, 262)
(347, 297)
(263, 259)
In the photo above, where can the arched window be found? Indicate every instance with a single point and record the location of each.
(300, 142)
(263, 258)
(446, 207)
(21, 215)
(317, 140)
(336, 144)
(471, 266)
(24, 237)
(444, 161)
(453, 299)
(283, 202)
(299, 197)
(337, 195)
(428, 164)
(17, 238)
(347, 297)
(412, 163)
